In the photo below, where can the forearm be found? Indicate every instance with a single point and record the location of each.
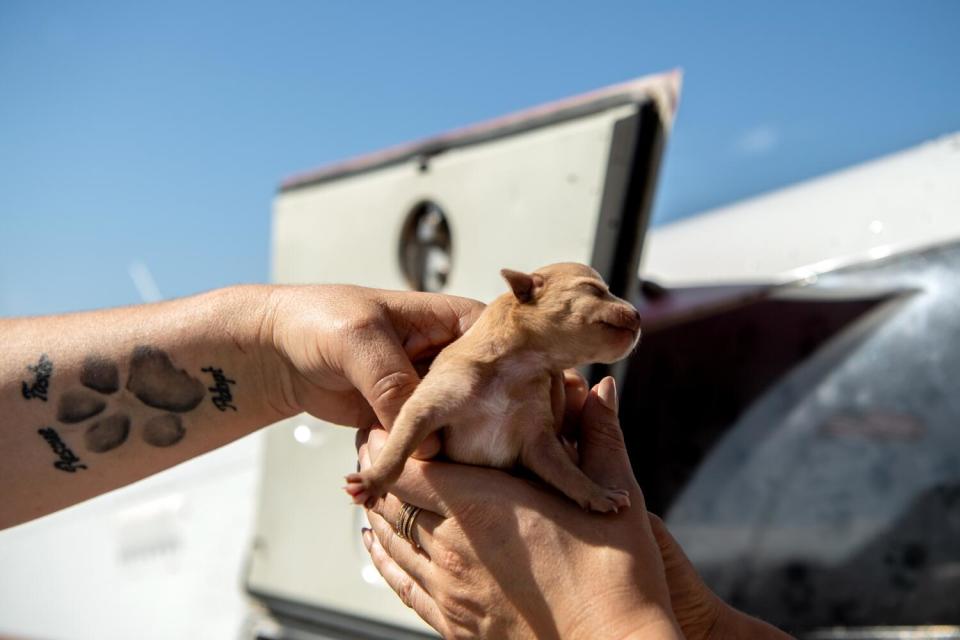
(94, 401)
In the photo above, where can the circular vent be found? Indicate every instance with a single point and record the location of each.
(425, 247)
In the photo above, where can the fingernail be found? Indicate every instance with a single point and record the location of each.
(367, 537)
(607, 390)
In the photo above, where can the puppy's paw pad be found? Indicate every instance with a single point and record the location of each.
(607, 500)
(621, 497)
(360, 489)
(358, 494)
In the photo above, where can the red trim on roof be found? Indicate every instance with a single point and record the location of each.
(638, 89)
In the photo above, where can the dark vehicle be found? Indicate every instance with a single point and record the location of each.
(804, 444)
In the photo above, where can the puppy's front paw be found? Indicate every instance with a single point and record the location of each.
(362, 488)
(608, 499)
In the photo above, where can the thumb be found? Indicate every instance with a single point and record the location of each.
(382, 372)
(603, 454)
(695, 606)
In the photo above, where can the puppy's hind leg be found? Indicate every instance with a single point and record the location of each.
(544, 455)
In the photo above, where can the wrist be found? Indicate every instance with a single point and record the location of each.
(249, 314)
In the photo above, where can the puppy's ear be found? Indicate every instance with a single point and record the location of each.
(524, 285)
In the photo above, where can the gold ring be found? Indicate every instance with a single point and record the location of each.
(405, 522)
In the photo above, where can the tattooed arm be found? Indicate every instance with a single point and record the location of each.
(94, 401)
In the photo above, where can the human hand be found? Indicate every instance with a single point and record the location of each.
(502, 556)
(350, 354)
(702, 615)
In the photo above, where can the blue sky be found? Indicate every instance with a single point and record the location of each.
(156, 133)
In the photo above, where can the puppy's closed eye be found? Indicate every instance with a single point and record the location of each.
(593, 289)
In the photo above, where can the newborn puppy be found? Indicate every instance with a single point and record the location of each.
(490, 391)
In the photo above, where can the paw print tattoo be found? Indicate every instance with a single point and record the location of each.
(153, 381)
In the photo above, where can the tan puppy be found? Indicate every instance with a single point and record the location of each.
(490, 391)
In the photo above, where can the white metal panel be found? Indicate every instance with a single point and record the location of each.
(905, 200)
(523, 202)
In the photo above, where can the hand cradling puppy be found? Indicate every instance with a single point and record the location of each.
(490, 391)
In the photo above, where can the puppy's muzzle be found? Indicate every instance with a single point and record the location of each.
(625, 317)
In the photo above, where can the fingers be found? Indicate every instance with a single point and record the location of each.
(603, 454)
(381, 370)
(411, 593)
(677, 566)
(575, 390)
(416, 564)
(424, 524)
(696, 607)
(426, 322)
(359, 440)
(467, 309)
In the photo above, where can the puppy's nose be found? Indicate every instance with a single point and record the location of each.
(631, 318)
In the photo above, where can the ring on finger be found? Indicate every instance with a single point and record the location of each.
(405, 522)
